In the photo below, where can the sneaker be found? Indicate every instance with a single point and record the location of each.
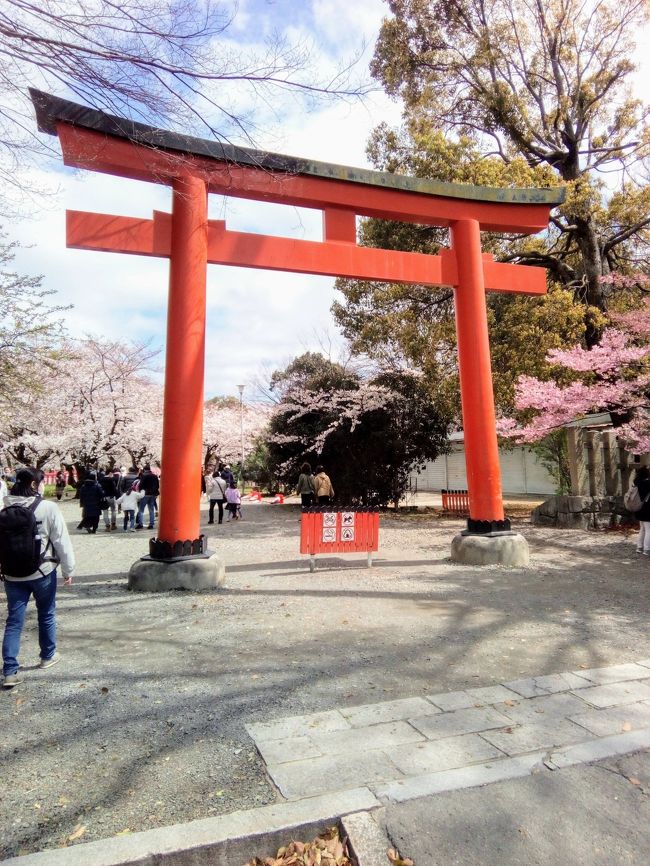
(12, 680)
(53, 660)
(639, 550)
(132, 529)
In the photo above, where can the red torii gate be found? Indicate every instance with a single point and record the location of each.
(194, 167)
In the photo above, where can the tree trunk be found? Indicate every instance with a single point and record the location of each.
(592, 270)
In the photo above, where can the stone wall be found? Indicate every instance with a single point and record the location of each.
(582, 512)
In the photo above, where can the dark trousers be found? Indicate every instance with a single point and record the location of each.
(323, 500)
(219, 503)
(306, 499)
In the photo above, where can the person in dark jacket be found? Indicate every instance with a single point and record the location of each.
(305, 487)
(107, 482)
(642, 482)
(91, 495)
(150, 486)
(127, 481)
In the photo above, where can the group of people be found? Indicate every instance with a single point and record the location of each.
(314, 488)
(221, 489)
(106, 493)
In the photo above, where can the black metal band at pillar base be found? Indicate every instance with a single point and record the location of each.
(485, 527)
(165, 551)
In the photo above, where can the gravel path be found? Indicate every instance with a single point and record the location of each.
(142, 724)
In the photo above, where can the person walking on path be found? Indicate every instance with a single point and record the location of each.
(305, 487)
(150, 486)
(56, 548)
(128, 502)
(216, 487)
(91, 496)
(233, 497)
(60, 483)
(108, 511)
(642, 482)
(323, 487)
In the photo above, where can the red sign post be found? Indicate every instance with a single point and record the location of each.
(331, 530)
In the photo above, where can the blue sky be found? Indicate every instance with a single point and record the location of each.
(257, 320)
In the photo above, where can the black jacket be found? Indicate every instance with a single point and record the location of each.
(108, 485)
(149, 484)
(90, 497)
(644, 490)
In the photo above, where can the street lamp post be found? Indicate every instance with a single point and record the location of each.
(241, 431)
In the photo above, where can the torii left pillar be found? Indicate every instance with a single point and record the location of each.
(179, 558)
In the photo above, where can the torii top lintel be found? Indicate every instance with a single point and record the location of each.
(97, 141)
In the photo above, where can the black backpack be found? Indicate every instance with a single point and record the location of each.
(20, 541)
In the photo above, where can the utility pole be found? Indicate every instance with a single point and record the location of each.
(241, 432)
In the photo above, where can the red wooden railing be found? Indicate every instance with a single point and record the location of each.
(455, 501)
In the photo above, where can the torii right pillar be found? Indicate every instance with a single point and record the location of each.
(488, 538)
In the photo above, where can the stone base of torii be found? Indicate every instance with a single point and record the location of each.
(193, 168)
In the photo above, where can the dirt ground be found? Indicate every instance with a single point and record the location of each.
(142, 723)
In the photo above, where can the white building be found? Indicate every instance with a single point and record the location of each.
(521, 471)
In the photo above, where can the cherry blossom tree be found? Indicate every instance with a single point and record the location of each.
(86, 400)
(223, 423)
(612, 376)
(368, 433)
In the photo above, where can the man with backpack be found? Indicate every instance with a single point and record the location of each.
(34, 540)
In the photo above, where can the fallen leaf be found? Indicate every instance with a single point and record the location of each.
(510, 703)
(634, 781)
(63, 800)
(77, 833)
(124, 832)
(626, 726)
(104, 690)
(20, 701)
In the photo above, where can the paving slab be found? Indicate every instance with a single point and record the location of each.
(595, 750)
(529, 737)
(447, 754)
(301, 779)
(616, 694)
(460, 722)
(614, 673)
(547, 685)
(449, 701)
(492, 694)
(558, 707)
(367, 837)
(473, 776)
(291, 749)
(615, 720)
(366, 739)
(388, 711)
(297, 726)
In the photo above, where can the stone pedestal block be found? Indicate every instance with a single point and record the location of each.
(197, 573)
(506, 549)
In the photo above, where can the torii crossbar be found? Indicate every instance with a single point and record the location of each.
(193, 168)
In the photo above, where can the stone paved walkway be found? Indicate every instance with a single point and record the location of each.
(424, 745)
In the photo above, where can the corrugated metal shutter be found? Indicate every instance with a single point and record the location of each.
(456, 472)
(538, 478)
(513, 476)
(432, 477)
